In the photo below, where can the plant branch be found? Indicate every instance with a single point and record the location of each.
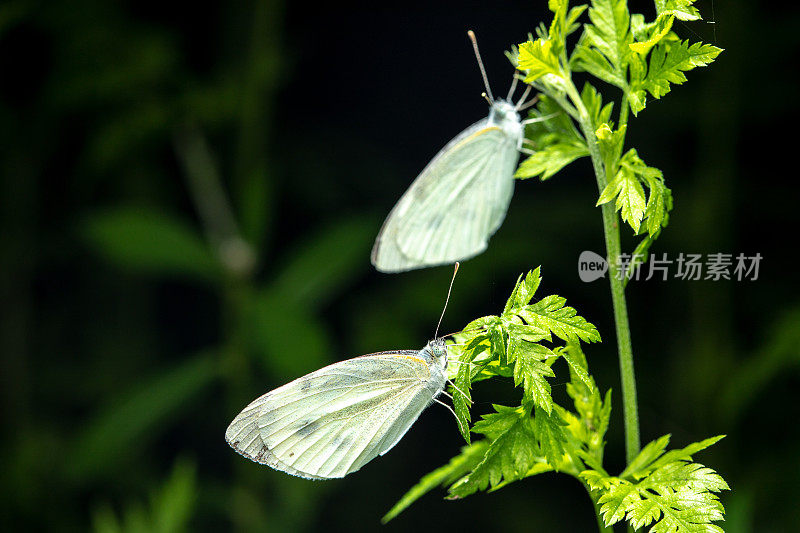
(613, 250)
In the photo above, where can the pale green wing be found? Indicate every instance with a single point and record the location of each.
(333, 421)
(454, 206)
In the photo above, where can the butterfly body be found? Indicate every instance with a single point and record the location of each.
(333, 421)
(458, 201)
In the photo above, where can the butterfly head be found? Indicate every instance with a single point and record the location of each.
(503, 111)
(438, 349)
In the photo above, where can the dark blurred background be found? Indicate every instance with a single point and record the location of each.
(189, 197)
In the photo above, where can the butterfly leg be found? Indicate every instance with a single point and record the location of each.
(458, 422)
(459, 390)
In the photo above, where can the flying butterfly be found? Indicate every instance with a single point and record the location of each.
(332, 422)
(460, 199)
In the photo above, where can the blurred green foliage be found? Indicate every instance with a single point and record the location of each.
(180, 233)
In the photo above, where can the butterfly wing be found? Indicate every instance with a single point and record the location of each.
(331, 422)
(455, 204)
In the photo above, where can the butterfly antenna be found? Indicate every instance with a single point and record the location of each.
(513, 88)
(472, 38)
(455, 271)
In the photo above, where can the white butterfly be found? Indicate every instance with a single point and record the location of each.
(460, 199)
(332, 422)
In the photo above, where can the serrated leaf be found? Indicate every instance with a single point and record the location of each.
(686, 453)
(668, 62)
(530, 371)
(610, 142)
(573, 16)
(524, 290)
(459, 466)
(681, 9)
(578, 369)
(587, 59)
(510, 456)
(659, 203)
(672, 494)
(462, 399)
(647, 455)
(558, 128)
(550, 159)
(551, 314)
(652, 34)
(537, 59)
(593, 101)
(604, 49)
(629, 194)
(549, 429)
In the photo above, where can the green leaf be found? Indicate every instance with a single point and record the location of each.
(604, 51)
(124, 424)
(549, 160)
(530, 370)
(659, 203)
(681, 9)
(558, 128)
(551, 314)
(671, 494)
(512, 453)
(558, 27)
(537, 59)
(628, 191)
(330, 259)
(650, 34)
(592, 413)
(173, 505)
(578, 369)
(459, 466)
(684, 454)
(549, 429)
(626, 187)
(587, 59)
(573, 16)
(170, 507)
(668, 62)
(593, 101)
(151, 242)
(647, 455)
(610, 143)
(523, 291)
(462, 398)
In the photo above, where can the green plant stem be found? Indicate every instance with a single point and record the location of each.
(613, 250)
(601, 525)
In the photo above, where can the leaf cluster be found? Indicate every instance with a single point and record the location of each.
(625, 51)
(521, 345)
(662, 489)
(659, 488)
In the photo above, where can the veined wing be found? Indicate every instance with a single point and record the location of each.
(454, 205)
(333, 421)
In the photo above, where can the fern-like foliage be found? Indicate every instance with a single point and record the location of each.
(664, 490)
(522, 345)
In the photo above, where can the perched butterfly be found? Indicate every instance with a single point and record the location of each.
(460, 199)
(332, 422)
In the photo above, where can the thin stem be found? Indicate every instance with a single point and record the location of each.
(613, 250)
(601, 525)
